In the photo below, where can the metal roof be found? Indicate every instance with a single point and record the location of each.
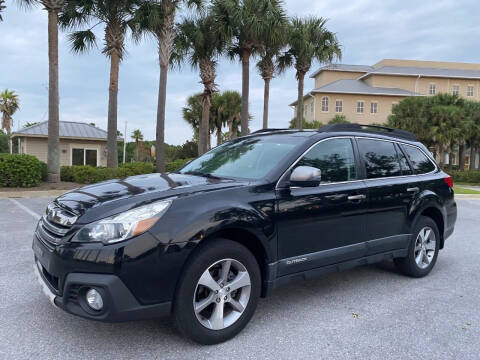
(68, 129)
(343, 67)
(427, 72)
(358, 87)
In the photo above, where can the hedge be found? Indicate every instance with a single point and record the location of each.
(89, 174)
(471, 177)
(21, 170)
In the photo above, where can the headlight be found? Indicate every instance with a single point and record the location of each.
(124, 225)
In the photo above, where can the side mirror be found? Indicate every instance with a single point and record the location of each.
(305, 176)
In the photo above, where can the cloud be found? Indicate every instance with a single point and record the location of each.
(368, 31)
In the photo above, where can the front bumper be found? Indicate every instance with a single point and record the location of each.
(119, 302)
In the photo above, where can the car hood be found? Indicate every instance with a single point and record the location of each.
(114, 196)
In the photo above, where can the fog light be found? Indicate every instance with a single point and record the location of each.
(94, 299)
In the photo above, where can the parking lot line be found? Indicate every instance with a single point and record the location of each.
(26, 209)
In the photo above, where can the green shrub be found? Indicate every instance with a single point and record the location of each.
(138, 168)
(66, 173)
(175, 165)
(20, 170)
(44, 171)
(471, 177)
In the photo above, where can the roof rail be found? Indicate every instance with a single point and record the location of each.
(369, 129)
(266, 130)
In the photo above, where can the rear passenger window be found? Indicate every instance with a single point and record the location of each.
(334, 157)
(420, 162)
(380, 158)
(406, 170)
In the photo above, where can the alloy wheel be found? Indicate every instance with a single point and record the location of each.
(222, 294)
(425, 246)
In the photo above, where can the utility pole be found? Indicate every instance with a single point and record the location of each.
(125, 142)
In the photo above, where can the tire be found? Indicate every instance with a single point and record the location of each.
(214, 257)
(421, 259)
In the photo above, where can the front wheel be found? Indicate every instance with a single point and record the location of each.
(423, 249)
(218, 292)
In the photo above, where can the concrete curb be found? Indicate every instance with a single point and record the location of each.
(467, 196)
(31, 194)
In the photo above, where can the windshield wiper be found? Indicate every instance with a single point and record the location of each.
(205, 175)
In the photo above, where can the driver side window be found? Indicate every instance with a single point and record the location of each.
(335, 159)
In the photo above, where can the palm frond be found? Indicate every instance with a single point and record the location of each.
(82, 41)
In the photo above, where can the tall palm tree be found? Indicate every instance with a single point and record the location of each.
(115, 15)
(54, 8)
(248, 23)
(308, 41)
(2, 7)
(269, 53)
(138, 137)
(157, 17)
(199, 43)
(192, 112)
(9, 104)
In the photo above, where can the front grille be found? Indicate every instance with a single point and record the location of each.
(49, 232)
(54, 225)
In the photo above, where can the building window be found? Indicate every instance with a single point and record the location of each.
(360, 107)
(455, 89)
(311, 108)
(84, 157)
(339, 106)
(325, 104)
(433, 89)
(373, 108)
(470, 91)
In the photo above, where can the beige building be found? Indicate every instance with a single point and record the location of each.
(80, 143)
(365, 94)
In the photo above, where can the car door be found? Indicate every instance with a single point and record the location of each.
(324, 224)
(389, 192)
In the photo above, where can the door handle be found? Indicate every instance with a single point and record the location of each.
(413, 190)
(356, 197)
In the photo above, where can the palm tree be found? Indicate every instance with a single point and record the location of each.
(192, 112)
(231, 103)
(138, 137)
(9, 104)
(54, 8)
(115, 15)
(2, 7)
(308, 41)
(157, 17)
(248, 23)
(199, 43)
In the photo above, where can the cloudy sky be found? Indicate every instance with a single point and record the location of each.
(369, 30)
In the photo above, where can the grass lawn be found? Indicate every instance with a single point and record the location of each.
(460, 190)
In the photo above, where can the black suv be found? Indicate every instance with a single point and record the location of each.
(204, 243)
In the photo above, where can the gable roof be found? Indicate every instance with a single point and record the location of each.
(68, 129)
(343, 67)
(424, 71)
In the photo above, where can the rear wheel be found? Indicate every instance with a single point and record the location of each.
(218, 292)
(423, 249)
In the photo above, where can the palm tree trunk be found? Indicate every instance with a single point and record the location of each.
(461, 157)
(9, 136)
(162, 98)
(112, 157)
(204, 132)
(472, 156)
(301, 78)
(219, 134)
(53, 157)
(245, 91)
(266, 95)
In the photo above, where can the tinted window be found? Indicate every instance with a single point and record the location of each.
(380, 158)
(420, 162)
(334, 158)
(406, 170)
(249, 158)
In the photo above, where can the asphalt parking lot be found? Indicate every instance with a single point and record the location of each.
(371, 312)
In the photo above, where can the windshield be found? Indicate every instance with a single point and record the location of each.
(251, 158)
